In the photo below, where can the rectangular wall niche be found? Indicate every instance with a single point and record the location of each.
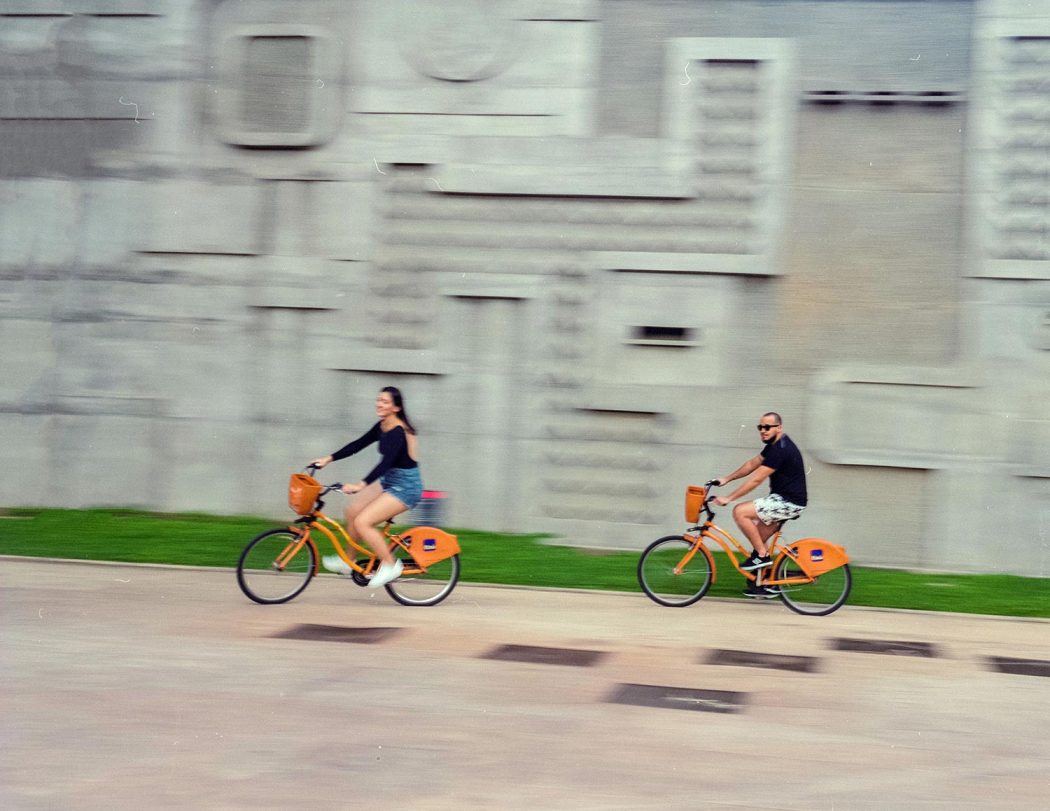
(653, 335)
(654, 328)
(280, 86)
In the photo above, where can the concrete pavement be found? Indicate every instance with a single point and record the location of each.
(128, 687)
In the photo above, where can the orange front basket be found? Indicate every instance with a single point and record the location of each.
(303, 491)
(694, 498)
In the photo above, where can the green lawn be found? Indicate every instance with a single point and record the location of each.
(208, 540)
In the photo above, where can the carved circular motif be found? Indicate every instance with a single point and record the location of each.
(460, 40)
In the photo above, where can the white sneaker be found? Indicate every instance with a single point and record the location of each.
(334, 563)
(385, 573)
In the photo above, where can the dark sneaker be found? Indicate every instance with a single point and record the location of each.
(756, 562)
(761, 592)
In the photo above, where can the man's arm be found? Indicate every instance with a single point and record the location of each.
(748, 467)
(754, 467)
(762, 472)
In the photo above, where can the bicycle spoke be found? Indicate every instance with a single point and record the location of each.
(415, 587)
(275, 567)
(673, 572)
(816, 597)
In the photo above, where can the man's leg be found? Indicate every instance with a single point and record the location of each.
(758, 533)
(751, 525)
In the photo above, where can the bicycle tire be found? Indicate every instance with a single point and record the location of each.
(258, 575)
(429, 588)
(658, 579)
(827, 593)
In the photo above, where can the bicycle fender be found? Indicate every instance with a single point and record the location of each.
(816, 555)
(428, 545)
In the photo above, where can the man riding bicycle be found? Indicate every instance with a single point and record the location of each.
(780, 461)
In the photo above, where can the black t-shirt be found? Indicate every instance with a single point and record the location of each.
(789, 473)
(393, 445)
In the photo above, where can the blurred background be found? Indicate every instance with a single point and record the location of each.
(592, 241)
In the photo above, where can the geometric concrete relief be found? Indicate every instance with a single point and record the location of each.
(460, 40)
(563, 230)
(279, 86)
(925, 417)
(1012, 135)
(1041, 332)
(892, 416)
(638, 291)
(651, 311)
(983, 413)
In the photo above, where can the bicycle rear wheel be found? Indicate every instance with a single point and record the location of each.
(426, 588)
(825, 594)
(665, 579)
(267, 574)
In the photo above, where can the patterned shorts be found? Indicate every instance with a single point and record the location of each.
(405, 484)
(773, 508)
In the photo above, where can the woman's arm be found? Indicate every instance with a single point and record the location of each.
(358, 444)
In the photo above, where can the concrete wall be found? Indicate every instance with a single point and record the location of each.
(591, 241)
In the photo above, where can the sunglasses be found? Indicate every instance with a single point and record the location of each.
(766, 427)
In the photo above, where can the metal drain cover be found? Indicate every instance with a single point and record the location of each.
(545, 656)
(337, 633)
(886, 646)
(1020, 667)
(776, 661)
(678, 698)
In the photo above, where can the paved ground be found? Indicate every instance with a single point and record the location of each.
(138, 687)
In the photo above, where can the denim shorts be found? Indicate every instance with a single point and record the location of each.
(773, 508)
(405, 484)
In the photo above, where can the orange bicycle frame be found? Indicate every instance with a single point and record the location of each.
(730, 545)
(814, 556)
(434, 545)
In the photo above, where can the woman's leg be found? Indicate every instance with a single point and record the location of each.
(382, 508)
(360, 500)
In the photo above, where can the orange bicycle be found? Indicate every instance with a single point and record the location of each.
(811, 575)
(279, 564)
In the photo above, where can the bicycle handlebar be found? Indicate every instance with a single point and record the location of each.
(328, 488)
(706, 506)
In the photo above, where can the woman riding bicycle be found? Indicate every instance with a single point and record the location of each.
(391, 487)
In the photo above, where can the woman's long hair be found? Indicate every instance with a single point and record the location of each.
(395, 395)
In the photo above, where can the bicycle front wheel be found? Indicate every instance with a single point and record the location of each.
(426, 588)
(666, 575)
(825, 594)
(272, 570)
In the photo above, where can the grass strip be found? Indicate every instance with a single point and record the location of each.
(525, 560)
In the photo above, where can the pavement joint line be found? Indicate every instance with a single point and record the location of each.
(516, 586)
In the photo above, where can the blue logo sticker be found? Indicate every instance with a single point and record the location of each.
(816, 555)
(430, 544)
